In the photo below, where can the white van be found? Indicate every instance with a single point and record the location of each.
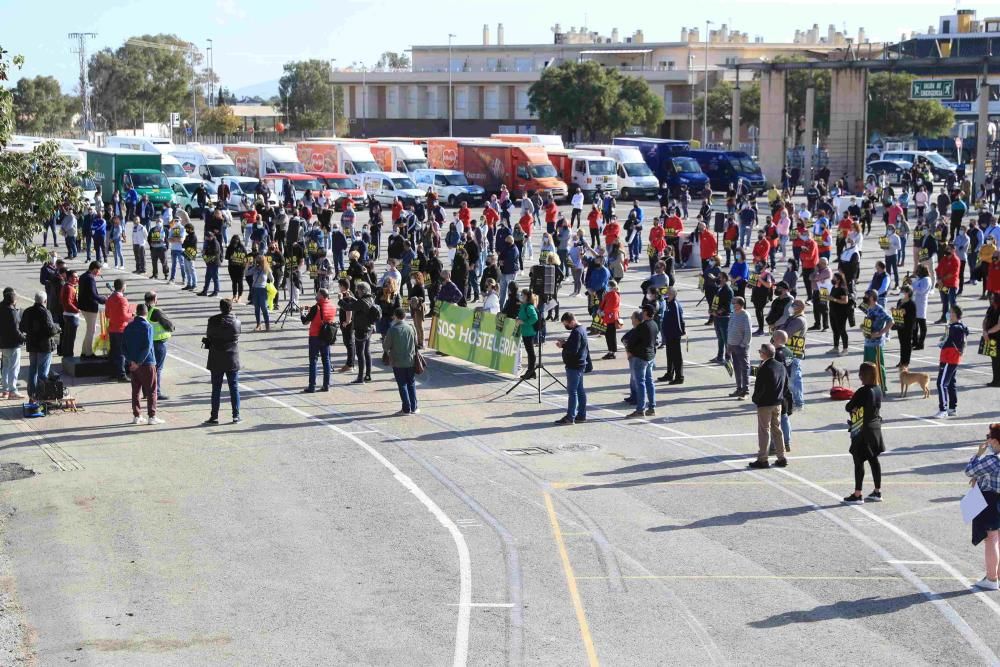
(387, 185)
(635, 178)
(450, 186)
(169, 165)
(402, 157)
(205, 162)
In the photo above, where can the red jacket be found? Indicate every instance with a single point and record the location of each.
(709, 246)
(397, 210)
(465, 215)
(993, 278)
(947, 270)
(656, 238)
(491, 216)
(610, 305)
(809, 256)
(119, 312)
(551, 211)
(612, 231)
(67, 298)
(325, 312)
(732, 233)
(525, 223)
(761, 250)
(594, 218)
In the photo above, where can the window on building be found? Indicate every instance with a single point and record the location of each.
(730, 60)
(946, 26)
(522, 64)
(965, 90)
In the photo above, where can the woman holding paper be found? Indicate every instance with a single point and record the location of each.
(865, 425)
(984, 469)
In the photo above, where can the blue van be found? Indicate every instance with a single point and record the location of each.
(667, 158)
(724, 168)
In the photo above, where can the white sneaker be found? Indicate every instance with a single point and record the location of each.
(415, 411)
(153, 421)
(953, 413)
(104, 265)
(941, 415)
(987, 585)
(138, 420)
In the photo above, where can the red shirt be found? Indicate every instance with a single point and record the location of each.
(800, 236)
(761, 250)
(676, 224)
(709, 246)
(397, 210)
(610, 305)
(325, 312)
(551, 211)
(611, 232)
(732, 233)
(845, 226)
(594, 218)
(656, 238)
(809, 256)
(67, 298)
(119, 312)
(525, 223)
(465, 215)
(491, 216)
(947, 270)
(825, 243)
(993, 278)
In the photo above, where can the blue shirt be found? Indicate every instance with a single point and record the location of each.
(739, 271)
(98, 227)
(597, 279)
(878, 318)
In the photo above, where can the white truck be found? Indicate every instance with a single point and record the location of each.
(205, 162)
(169, 165)
(587, 171)
(336, 156)
(387, 185)
(259, 160)
(635, 178)
(450, 186)
(403, 157)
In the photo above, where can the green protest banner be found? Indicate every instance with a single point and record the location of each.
(476, 336)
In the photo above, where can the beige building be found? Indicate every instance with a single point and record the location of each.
(489, 82)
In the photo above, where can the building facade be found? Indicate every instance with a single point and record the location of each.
(489, 82)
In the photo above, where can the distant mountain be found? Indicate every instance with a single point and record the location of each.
(264, 89)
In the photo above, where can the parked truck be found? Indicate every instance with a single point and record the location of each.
(725, 169)
(169, 165)
(259, 160)
(122, 168)
(522, 167)
(588, 171)
(635, 178)
(405, 158)
(337, 156)
(668, 160)
(547, 140)
(205, 162)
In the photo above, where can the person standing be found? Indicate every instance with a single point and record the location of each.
(139, 235)
(768, 390)
(211, 252)
(795, 329)
(948, 361)
(722, 309)
(948, 271)
(190, 251)
(175, 240)
(875, 328)
(576, 358)
(673, 328)
(137, 344)
(68, 226)
(641, 348)
(527, 320)
(158, 248)
(991, 336)
(222, 338)
(865, 426)
(921, 295)
(840, 311)
(119, 313)
(90, 302)
(984, 470)
(321, 336)
(364, 313)
(577, 203)
(162, 330)
(260, 274)
(400, 344)
(345, 307)
(236, 264)
(40, 339)
(609, 313)
(738, 346)
(904, 319)
(11, 340)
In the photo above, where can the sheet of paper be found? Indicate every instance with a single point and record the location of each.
(972, 504)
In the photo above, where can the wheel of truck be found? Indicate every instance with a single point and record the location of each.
(626, 194)
(451, 200)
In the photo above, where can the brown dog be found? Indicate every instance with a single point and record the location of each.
(907, 377)
(838, 376)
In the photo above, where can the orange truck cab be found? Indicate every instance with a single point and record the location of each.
(523, 167)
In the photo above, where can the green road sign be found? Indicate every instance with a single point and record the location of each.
(935, 89)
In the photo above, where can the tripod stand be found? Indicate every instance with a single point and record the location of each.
(290, 306)
(540, 370)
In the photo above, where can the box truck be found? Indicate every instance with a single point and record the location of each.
(123, 168)
(169, 165)
(522, 167)
(259, 160)
(205, 162)
(586, 170)
(402, 157)
(668, 160)
(547, 140)
(342, 156)
(635, 178)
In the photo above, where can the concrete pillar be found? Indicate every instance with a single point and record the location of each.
(807, 140)
(982, 132)
(734, 140)
(848, 124)
(772, 125)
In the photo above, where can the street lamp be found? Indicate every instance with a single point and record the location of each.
(450, 105)
(364, 100)
(211, 73)
(704, 108)
(333, 102)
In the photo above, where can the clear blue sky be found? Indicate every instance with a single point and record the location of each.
(253, 38)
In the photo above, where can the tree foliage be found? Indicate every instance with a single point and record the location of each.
(41, 108)
(720, 105)
(796, 84)
(891, 112)
(32, 185)
(393, 60)
(305, 96)
(586, 100)
(219, 120)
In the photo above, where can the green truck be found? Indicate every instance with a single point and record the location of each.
(122, 167)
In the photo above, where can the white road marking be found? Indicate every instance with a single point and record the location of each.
(464, 559)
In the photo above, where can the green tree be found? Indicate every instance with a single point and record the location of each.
(393, 60)
(32, 185)
(590, 101)
(796, 84)
(305, 95)
(891, 112)
(40, 107)
(219, 120)
(720, 105)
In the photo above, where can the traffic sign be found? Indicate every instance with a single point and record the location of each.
(932, 89)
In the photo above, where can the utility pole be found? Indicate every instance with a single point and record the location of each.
(704, 108)
(86, 122)
(451, 106)
(211, 74)
(333, 101)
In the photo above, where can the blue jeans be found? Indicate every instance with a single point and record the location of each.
(212, 277)
(745, 235)
(338, 261)
(947, 301)
(117, 354)
(406, 382)
(642, 381)
(892, 267)
(259, 298)
(176, 258)
(191, 278)
(116, 247)
(635, 248)
(71, 249)
(160, 354)
(721, 335)
(795, 375)
(577, 394)
(902, 250)
(38, 370)
(10, 364)
(317, 348)
(233, 378)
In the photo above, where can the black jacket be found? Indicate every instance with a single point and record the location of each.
(88, 298)
(223, 336)
(769, 386)
(10, 326)
(642, 342)
(39, 330)
(576, 351)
